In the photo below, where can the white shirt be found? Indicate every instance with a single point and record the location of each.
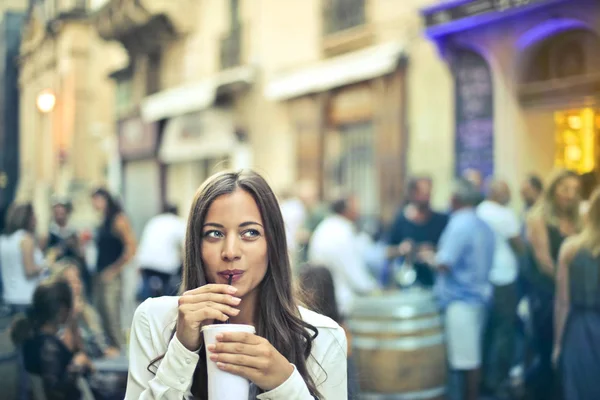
(150, 338)
(18, 288)
(161, 244)
(336, 245)
(505, 224)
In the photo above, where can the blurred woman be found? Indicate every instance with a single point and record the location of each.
(577, 309)
(554, 217)
(21, 259)
(116, 247)
(85, 331)
(44, 353)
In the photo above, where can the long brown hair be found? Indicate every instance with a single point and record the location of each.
(591, 233)
(19, 216)
(546, 207)
(277, 316)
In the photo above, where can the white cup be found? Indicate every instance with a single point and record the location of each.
(224, 385)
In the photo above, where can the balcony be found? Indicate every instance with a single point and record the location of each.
(345, 26)
(144, 23)
(231, 49)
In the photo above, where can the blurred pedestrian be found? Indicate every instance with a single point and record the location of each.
(499, 346)
(45, 355)
(62, 240)
(463, 261)
(553, 218)
(160, 254)
(417, 226)
(23, 264)
(116, 247)
(577, 308)
(335, 244)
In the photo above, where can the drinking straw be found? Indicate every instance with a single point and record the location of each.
(229, 283)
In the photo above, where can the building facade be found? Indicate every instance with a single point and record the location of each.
(66, 107)
(525, 82)
(11, 22)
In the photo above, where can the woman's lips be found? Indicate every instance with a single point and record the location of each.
(235, 276)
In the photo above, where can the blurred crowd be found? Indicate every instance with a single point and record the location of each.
(519, 292)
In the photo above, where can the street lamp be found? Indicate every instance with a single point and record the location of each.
(45, 101)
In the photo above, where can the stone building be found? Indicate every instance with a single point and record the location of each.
(66, 107)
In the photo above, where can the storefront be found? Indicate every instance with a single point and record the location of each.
(526, 83)
(348, 113)
(143, 174)
(201, 135)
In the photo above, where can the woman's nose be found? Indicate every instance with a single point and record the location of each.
(231, 248)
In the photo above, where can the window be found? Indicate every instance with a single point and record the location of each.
(343, 14)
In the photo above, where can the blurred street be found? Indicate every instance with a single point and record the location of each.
(436, 163)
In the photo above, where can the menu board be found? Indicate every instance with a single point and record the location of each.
(474, 140)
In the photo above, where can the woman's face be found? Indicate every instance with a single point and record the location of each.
(71, 276)
(233, 242)
(567, 194)
(99, 203)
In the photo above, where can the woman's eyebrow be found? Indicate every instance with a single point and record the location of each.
(242, 225)
(248, 223)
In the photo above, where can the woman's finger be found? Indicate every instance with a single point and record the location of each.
(190, 308)
(214, 297)
(239, 337)
(203, 314)
(212, 288)
(241, 360)
(236, 348)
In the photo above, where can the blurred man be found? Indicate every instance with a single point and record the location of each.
(531, 189)
(160, 253)
(334, 245)
(63, 241)
(463, 260)
(501, 330)
(416, 227)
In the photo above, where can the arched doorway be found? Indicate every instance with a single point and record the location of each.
(561, 75)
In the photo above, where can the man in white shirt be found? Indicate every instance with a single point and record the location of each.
(502, 325)
(335, 244)
(160, 253)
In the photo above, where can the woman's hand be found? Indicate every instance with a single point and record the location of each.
(251, 357)
(202, 306)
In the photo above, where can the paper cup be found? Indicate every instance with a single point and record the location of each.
(224, 385)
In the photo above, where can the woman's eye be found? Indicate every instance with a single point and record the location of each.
(213, 234)
(251, 233)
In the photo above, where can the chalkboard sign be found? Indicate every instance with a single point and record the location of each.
(474, 140)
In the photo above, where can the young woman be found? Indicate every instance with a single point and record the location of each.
(235, 227)
(44, 353)
(553, 218)
(577, 309)
(21, 259)
(116, 246)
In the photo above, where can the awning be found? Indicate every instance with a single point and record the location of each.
(198, 136)
(193, 97)
(339, 71)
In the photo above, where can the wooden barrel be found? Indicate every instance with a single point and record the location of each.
(398, 346)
